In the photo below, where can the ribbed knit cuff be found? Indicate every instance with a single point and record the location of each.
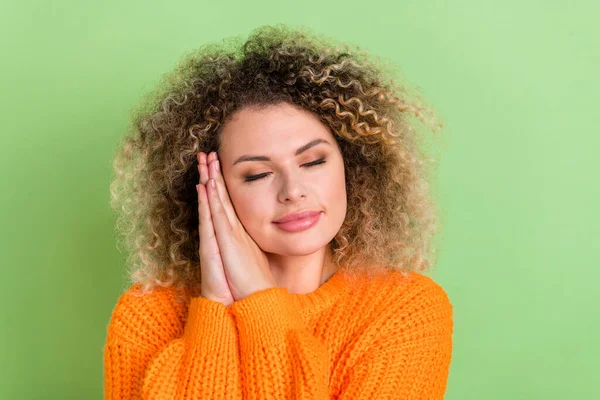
(209, 324)
(265, 317)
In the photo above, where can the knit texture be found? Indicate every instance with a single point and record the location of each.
(383, 337)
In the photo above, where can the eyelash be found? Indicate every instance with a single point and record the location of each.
(253, 178)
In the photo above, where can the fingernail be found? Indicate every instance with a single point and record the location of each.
(218, 167)
(197, 190)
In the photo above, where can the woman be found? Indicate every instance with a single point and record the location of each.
(274, 204)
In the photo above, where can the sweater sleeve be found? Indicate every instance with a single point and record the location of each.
(143, 360)
(408, 353)
(280, 358)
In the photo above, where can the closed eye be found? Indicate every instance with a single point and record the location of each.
(253, 178)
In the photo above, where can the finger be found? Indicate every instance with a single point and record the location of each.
(202, 168)
(223, 194)
(220, 219)
(209, 248)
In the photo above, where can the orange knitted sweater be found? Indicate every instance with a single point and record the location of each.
(384, 337)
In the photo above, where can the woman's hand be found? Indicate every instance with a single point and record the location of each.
(245, 265)
(214, 284)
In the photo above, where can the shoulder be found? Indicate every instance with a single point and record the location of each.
(408, 298)
(399, 308)
(147, 319)
(421, 294)
(414, 287)
(403, 286)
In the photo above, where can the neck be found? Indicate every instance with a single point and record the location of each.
(302, 274)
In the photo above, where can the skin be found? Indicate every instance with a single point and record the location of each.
(298, 261)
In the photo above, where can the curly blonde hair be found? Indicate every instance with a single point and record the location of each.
(390, 218)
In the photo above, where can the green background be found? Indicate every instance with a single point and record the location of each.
(516, 83)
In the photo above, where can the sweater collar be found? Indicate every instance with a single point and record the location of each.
(322, 297)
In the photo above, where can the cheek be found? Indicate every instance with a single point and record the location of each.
(334, 186)
(243, 203)
(249, 209)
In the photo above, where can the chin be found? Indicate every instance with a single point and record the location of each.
(296, 245)
(295, 251)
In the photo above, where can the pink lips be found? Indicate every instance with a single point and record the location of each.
(295, 216)
(299, 222)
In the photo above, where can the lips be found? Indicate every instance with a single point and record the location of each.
(297, 216)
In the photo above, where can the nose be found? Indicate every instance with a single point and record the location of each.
(292, 188)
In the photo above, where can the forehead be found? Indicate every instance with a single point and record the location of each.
(281, 125)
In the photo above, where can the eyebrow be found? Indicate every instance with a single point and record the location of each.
(265, 158)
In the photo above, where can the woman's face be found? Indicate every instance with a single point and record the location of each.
(265, 156)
